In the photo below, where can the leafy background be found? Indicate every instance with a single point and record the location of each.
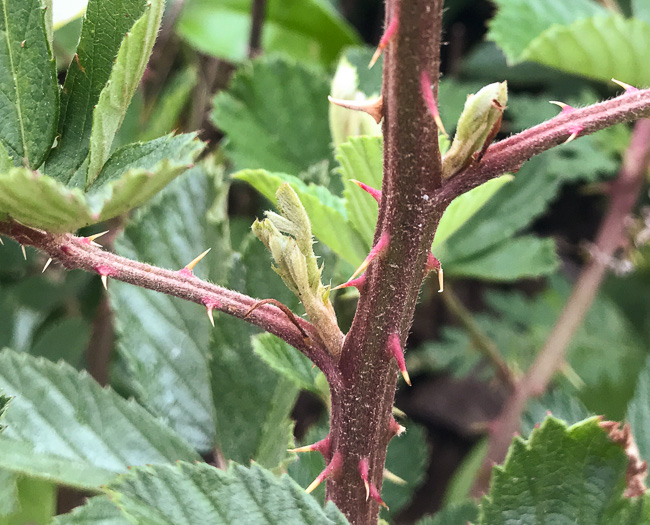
(182, 396)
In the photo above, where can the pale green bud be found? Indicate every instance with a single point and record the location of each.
(477, 126)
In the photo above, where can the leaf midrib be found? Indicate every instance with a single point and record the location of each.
(15, 80)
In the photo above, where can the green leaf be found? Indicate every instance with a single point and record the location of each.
(593, 47)
(408, 458)
(9, 503)
(326, 212)
(136, 172)
(165, 341)
(4, 403)
(286, 360)
(196, 494)
(361, 158)
(104, 28)
(165, 114)
(641, 10)
(29, 109)
(309, 30)
(272, 126)
(460, 514)
(56, 426)
(125, 77)
(35, 502)
(42, 202)
(638, 412)
(574, 474)
(252, 403)
(518, 22)
(460, 486)
(97, 511)
(525, 256)
(558, 403)
(463, 207)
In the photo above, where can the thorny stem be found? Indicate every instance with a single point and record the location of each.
(483, 342)
(361, 410)
(550, 359)
(74, 253)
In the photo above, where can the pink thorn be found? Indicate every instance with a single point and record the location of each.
(573, 129)
(363, 472)
(375, 194)
(433, 264)
(385, 39)
(377, 249)
(210, 305)
(359, 283)
(105, 271)
(395, 428)
(332, 468)
(427, 94)
(376, 496)
(626, 87)
(395, 348)
(186, 271)
(322, 446)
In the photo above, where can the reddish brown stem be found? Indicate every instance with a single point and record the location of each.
(74, 253)
(624, 193)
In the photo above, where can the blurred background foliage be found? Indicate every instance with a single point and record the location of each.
(510, 255)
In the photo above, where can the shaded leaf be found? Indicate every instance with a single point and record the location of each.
(196, 494)
(309, 30)
(638, 412)
(106, 21)
(35, 502)
(286, 360)
(272, 126)
(525, 256)
(557, 403)
(460, 514)
(164, 340)
(590, 470)
(641, 10)
(56, 426)
(124, 79)
(29, 93)
(97, 511)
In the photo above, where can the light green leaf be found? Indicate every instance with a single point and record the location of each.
(641, 10)
(601, 47)
(35, 503)
(136, 172)
(116, 96)
(361, 159)
(460, 514)
(309, 30)
(557, 403)
(638, 412)
(460, 486)
(56, 426)
(97, 511)
(104, 28)
(325, 210)
(581, 485)
(525, 256)
(30, 95)
(286, 360)
(463, 207)
(170, 104)
(6, 162)
(42, 202)
(278, 127)
(197, 494)
(4, 403)
(518, 22)
(9, 503)
(165, 341)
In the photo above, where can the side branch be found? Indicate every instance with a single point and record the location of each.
(75, 253)
(509, 154)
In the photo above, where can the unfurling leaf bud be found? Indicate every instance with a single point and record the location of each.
(477, 126)
(288, 237)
